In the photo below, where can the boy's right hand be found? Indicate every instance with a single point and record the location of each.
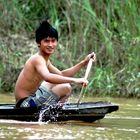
(81, 81)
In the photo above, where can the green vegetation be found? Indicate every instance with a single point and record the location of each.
(111, 28)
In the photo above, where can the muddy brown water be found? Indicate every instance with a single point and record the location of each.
(123, 124)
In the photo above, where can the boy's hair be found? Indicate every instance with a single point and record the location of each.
(45, 30)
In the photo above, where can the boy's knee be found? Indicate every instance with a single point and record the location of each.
(66, 92)
(62, 90)
(68, 88)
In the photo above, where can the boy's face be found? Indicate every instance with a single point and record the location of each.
(48, 45)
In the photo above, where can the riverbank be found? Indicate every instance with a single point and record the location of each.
(105, 27)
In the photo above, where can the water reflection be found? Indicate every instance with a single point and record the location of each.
(121, 125)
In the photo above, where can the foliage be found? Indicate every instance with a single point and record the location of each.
(111, 28)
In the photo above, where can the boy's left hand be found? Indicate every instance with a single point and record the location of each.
(89, 56)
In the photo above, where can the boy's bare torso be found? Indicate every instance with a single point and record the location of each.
(29, 79)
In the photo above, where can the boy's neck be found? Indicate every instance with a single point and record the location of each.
(46, 56)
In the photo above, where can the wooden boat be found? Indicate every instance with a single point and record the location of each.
(87, 111)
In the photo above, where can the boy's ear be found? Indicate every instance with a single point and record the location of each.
(38, 44)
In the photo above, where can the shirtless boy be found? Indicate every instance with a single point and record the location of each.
(40, 82)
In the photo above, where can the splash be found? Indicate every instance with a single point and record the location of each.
(41, 114)
(50, 113)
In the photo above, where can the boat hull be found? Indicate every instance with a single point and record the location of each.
(88, 112)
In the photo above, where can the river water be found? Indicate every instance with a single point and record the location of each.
(123, 124)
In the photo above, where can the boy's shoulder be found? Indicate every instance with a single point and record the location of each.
(37, 58)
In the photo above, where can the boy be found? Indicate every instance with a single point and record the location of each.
(40, 82)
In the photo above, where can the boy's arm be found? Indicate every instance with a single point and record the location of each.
(41, 68)
(73, 70)
(70, 72)
(53, 69)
